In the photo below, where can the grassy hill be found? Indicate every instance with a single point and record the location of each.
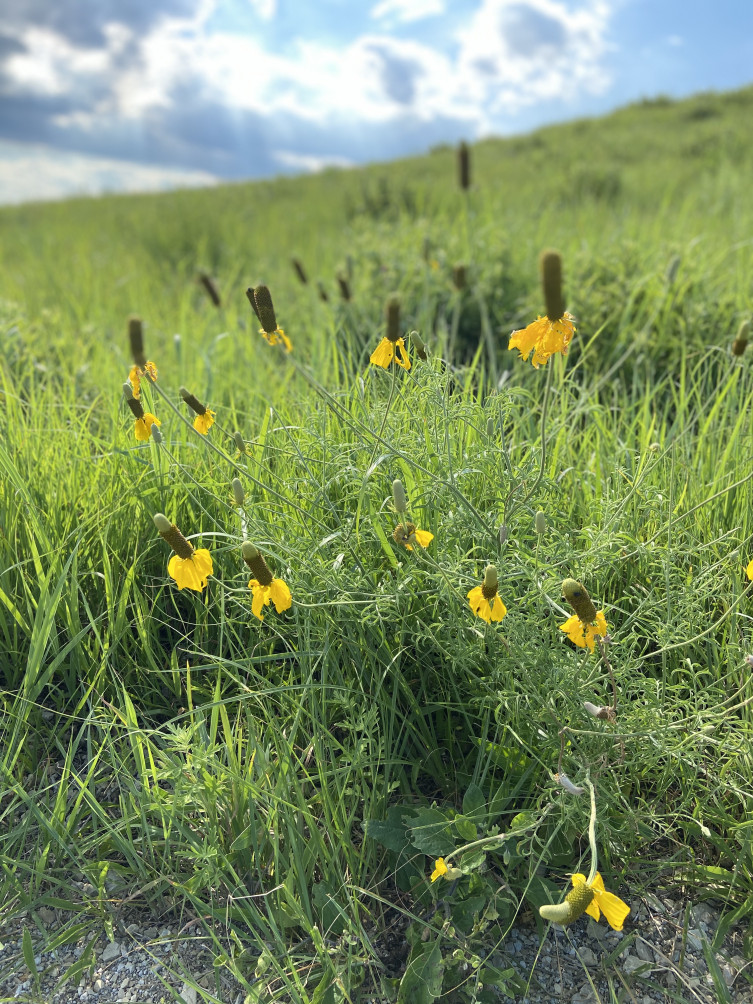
(295, 779)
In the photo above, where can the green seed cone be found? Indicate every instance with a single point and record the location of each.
(578, 598)
(551, 281)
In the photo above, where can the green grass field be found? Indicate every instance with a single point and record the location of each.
(291, 782)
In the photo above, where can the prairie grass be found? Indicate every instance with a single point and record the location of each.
(167, 749)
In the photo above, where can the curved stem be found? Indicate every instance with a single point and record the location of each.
(592, 835)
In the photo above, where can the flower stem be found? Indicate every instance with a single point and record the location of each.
(592, 835)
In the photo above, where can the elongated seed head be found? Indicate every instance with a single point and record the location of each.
(252, 301)
(551, 281)
(741, 340)
(210, 286)
(300, 271)
(393, 318)
(399, 499)
(578, 598)
(342, 282)
(193, 402)
(136, 407)
(464, 166)
(265, 309)
(136, 338)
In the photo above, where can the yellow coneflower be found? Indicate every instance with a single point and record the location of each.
(484, 600)
(591, 898)
(144, 420)
(261, 301)
(265, 588)
(189, 566)
(407, 534)
(553, 332)
(586, 622)
(141, 365)
(204, 416)
(392, 345)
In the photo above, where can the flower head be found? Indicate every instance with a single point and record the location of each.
(484, 600)
(440, 869)
(261, 301)
(188, 566)
(591, 898)
(392, 346)
(135, 374)
(582, 634)
(407, 535)
(264, 587)
(543, 337)
(142, 427)
(204, 419)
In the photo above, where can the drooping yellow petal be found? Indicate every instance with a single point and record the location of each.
(280, 594)
(401, 356)
(192, 572)
(544, 338)
(581, 634)
(203, 423)
(525, 339)
(261, 598)
(440, 869)
(383, 354)
(593, 909)
(612, 907)
(749, 571)
(423, 537)
(498, 609)
(479, 604)
(142, 427)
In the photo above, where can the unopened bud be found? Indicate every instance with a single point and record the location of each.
(540, 522)
(551, 281)
(418, 344)
(136, 338)
(239, 442)
(459, 276)
(490, 428)
(399, 499)
(393, 318)
(156, 434)
(578, 598)
(238, 493)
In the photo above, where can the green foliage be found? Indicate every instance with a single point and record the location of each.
(295, 779)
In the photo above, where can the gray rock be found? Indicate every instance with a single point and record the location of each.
(643, 951)
(188, 994)
(633, 964)
(583, 996)
(695, 940)
(587, 957)
(46, 916)
(111, 952)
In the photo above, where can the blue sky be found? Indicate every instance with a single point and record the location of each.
(143, 94)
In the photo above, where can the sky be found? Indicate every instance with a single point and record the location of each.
(135, 95)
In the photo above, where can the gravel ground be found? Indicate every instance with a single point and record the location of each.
(658, 957)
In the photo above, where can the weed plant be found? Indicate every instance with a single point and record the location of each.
(289, 784)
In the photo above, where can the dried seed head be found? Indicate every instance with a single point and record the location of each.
(193, 402)
(156, 434)
(299, 270)
(459, 276)
(578, 598)
(464, 166)
(399, 499)
(540, 522)
(741, 340)
(342, 282)
(551, 281)
(419, 345)
(238, 493)
(239, 442)
(323, 294)
(491, 582)
(255, 561)
(265, 310)
(136, 338)
(603, 712)
(169, 532)
(564, 782)
(393, 318)
(211, 288)
(403, 533)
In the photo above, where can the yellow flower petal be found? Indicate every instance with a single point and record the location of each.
(261, 598)
(581, 634)
(423, 537)
(192, 572)
(593, 910)
(498, 609)
(383, 354)
(280, 595)
(479, 604)
(203, 423)
(142, 428)
(749, 571)
(612, 907)
(543, 337)
(440, 869)
(401, 356)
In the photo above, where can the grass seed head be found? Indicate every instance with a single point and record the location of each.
(299, 270)
(551, 281)
(210, 287)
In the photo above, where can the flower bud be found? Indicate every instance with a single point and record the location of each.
(503, 534)
(239, 442)
(741, 341)
(238, 493)
(419, 345)
(540, 523)
(156, 434)
(398, 496)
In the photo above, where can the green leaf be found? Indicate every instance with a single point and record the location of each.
(28, 950)
(474, 802)
(391, 833)
(430, 832)
(471, 860)
(465, 828)
(465, 911)
(422, 980)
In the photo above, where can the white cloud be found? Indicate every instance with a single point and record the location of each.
(309, 162)
(33, 171)
(407, 10)
(266, 9)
